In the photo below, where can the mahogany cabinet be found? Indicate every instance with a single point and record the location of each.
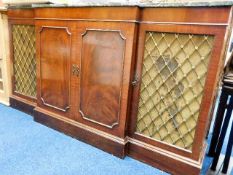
(128, 80)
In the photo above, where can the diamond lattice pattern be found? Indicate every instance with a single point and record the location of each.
(24, 59)
(173, 78)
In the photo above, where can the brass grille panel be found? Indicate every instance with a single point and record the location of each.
(24, 59)
(173, 78)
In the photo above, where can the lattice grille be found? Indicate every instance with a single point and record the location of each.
(24, 59)
(173, 78)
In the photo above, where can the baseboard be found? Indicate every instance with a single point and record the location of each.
(162, 159)
(114, 146)
(22, 105)
(5, 102)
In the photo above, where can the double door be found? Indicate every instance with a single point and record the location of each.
(84, 72)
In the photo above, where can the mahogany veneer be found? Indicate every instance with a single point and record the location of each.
(89, 68)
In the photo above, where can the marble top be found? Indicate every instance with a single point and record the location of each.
(139, 3)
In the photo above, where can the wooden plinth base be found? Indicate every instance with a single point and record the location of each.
(87, 135)
(162, 159)
(22, 105)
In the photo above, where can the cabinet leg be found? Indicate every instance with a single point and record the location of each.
(228, 152)
(222, 135)
(218, 123)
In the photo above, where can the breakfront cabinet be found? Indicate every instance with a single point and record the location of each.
(128, 80)
(4, 59)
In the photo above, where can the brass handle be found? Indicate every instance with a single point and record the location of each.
(75, 70)
(136, 80)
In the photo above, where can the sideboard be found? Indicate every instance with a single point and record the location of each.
(130, 80)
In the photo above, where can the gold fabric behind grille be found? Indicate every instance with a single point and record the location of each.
(173, 78)
(24, 59)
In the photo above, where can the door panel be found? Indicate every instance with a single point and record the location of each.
(103, 54)
(101, 76)
(176, 68)
(173, 79)
(24, 62)
(55, 50)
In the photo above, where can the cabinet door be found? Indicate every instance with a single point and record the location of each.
(54, 50)
(102, 75)
(177, 71)
(24, 61)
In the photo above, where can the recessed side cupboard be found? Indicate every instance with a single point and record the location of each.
(128, 80)
(4, 59)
